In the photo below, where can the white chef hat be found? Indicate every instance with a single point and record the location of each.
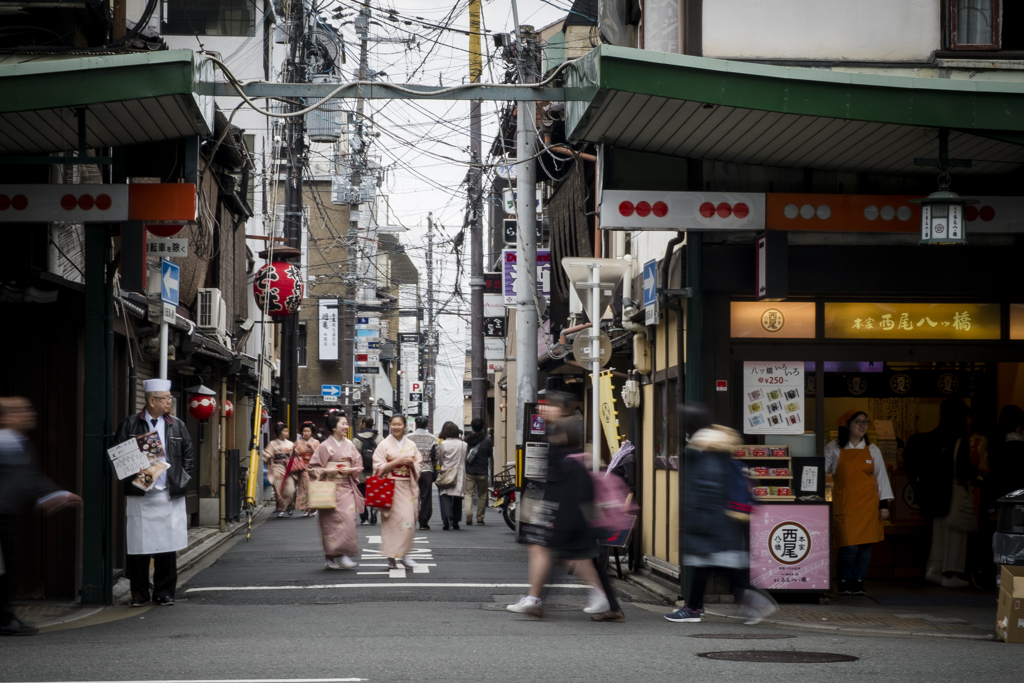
(151, 385)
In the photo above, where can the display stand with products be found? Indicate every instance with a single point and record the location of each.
(771, 464)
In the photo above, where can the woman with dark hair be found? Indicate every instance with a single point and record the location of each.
(276, 456)
(397, 458)
(337, 460)
(451, 454)
(860, 498)
(305, 446)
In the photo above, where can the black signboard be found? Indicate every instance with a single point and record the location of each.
(511, 230)
(367, 369)
(416, 396)
(494, 327)
(409, 337)
(492, 283)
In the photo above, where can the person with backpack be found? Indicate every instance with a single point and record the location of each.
(366, 443)
(478, 464)
(427, 445)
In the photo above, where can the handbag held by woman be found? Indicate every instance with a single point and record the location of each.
(322, 495)
(447, 477)
(380, 493)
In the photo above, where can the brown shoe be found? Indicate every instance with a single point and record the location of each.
(609, 616)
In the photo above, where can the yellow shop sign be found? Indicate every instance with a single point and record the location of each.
(896, 321)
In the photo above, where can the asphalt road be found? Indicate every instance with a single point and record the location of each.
(267, 609)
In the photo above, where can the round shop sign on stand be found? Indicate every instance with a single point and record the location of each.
(789, 543)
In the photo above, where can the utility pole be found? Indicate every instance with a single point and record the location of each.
(526, 234)
(478, 366)
(428, 385)
(296, 130)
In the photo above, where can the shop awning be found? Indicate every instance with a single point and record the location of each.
(129, 99)
(791, 117)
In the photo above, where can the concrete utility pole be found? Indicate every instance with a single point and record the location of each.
(296, 131)
(526, 236)
(478, 366)
(428, 384)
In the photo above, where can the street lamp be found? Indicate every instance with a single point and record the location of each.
(942, 216)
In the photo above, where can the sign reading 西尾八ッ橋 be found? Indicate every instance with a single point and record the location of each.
(773, 397)
(789, 547)
(899, 321)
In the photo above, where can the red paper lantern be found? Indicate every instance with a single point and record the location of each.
(201, 407)
(163, 229)
(278, 288)
(229, 408)
(264, 416)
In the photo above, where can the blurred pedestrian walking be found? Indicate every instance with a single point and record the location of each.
(305, 446)
(398, 459)
(23, 490)
(718, 505)
(478, 468)
(427, 445)
(338, 461)
(568, 534)
(277, 456)
(366, 442)
(451, 482)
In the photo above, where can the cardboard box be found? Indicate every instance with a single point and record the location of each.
(782, 491)
(761, 471)
(1010, 613)
(782, 471)
(780, 451)
(742, 452)
(760, 452)
(759, 491)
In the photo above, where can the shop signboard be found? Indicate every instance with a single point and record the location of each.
(510, 273)
(776, 319)
(494, 348)
(907, 321)
(789, 547)
(660, 210)
(773, 397)
(328, 323)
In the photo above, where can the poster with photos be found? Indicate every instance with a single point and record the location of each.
(773, 397)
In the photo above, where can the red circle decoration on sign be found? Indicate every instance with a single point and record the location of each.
(278, 288)
(723, 210)
(20, 202)
(263, 416)
(164, 230)
(643, 209)
(707, 209)
(971, 213)
(86, 201)
(660, 209)
(68, 202)
(201, 407)
(626, 208)
(986, 213)
(5, 202)
(741, 210)
(103, 202)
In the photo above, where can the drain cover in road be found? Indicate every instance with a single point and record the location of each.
(778, 657)
(742, 636)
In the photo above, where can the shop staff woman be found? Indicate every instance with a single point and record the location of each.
(860, 495)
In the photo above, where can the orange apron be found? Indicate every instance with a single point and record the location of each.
(855, 499)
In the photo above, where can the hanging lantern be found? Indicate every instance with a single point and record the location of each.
(229, 408)
(264, 416)
(278, 288)
(942, 218)
(202, 406)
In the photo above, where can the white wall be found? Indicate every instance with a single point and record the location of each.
(864, 30)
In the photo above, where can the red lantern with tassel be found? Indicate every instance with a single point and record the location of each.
(278, 288)
(201, 406)
(229, 408)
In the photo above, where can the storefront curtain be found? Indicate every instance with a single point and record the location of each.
(974, 22)
(570, 227)
(903, 412)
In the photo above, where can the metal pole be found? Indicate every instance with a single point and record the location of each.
(478, 367)
(428, 384)
(163, 350)
(526, 243)
(223, 453)
(595, 362)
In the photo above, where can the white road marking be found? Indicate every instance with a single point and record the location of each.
(373, 540)
(418, 564)
(374, 573)
(421, 569)
(323, 586)
(397, 573)
(239, 680)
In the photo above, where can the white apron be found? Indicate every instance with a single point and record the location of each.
(156, 523)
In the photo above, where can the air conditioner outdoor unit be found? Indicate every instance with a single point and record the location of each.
(210, 309)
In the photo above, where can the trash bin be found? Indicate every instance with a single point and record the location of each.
(1008, 541)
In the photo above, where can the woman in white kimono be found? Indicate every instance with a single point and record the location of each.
(337, 460)
(398, 459)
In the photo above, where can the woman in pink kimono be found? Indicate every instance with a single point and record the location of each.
(397, 458)
(276, 456)
(337, 459)
(305, 446)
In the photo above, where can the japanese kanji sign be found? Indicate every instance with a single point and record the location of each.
(789, 547)
(328, 329)
(896, 321)
(773, 397)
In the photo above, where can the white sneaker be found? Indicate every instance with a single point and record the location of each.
(954, 582)
(528, 605)
(280, 515)
(332, 564)
(598, 603)
(756, 606)
(407, 562)
(347, 562)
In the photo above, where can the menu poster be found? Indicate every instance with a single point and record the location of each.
(127, 459)
(150, 446)
(773, 397)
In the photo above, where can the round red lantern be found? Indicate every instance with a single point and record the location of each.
(278, 288)
(163, 229)
(229, 408)
(264, 416)
(201, 407)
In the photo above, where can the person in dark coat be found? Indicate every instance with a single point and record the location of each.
(717, 519)
(477, 479)
(23, 490)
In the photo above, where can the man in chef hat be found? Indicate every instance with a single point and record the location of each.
(157, 522)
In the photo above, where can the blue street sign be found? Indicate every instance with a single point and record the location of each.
(373, 346)
(170, 277)
(650, 283)
(362, 321)
(330, 390)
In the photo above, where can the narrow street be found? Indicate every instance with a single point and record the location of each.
(267, 609)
